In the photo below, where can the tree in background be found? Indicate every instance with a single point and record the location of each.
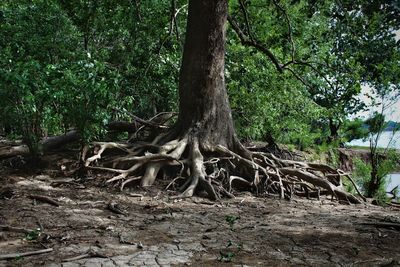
(49, 84)
(27, 57)
(362, 51)
(383, 161)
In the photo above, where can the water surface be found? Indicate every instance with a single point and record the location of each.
(385, 139)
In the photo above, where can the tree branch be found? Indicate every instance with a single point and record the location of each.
(290, 31)
(249, 40)
(253, 43)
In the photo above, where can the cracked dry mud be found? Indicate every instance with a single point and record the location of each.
(159, 231)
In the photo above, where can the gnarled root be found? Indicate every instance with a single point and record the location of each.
(217, 170)
(198, 175)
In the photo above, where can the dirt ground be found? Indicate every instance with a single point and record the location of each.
(98, 225)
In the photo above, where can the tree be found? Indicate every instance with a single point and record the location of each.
(27, 57)
(383, 161)
(365, 49)
(48, 83)
(205, 129)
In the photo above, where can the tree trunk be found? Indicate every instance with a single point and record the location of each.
(334, 130)
(203, 100)
(375, 181)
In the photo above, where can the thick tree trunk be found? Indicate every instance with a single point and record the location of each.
(204, 104)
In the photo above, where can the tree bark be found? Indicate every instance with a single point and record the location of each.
(203, 99)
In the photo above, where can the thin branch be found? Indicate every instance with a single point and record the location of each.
(15, 229)
(253, 43)
(142, 121)
(249, 40)
(289, 23)
(298, 77)
(44, 199)
(162, 41)
(316, 70)
(246, 19)
(24, 254)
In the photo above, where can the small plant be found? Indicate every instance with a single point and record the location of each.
(231, 220)
(227, 256)
(33, 235)
(18, 258)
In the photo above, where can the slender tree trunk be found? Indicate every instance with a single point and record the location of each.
(334, 130)
(204, 105)
(375, 182)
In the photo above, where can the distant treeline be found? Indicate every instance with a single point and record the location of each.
(390, 126)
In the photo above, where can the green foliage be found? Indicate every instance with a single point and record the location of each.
(88, 85)
(354, 129)
(31, 42)
(266, 102)
(361, 173)
(231, 220)
(383, 161)
(73, 64)
(33, 235)
(71, 67)
(226, 257)
(389, 164)
(137, 40)
(327, 45)
(376, 123)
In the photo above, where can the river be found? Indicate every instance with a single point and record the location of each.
(394, 181)
(385, 138)
(383, 141)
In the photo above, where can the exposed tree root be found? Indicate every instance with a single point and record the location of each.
(217, 170)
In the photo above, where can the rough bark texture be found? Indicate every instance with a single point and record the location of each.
(203, 98)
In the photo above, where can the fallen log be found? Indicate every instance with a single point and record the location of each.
(45, 145)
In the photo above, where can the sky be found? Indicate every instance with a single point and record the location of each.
(393, 113)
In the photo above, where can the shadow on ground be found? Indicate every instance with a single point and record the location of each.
(87, 229)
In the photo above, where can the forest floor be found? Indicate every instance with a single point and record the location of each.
(97, 225)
